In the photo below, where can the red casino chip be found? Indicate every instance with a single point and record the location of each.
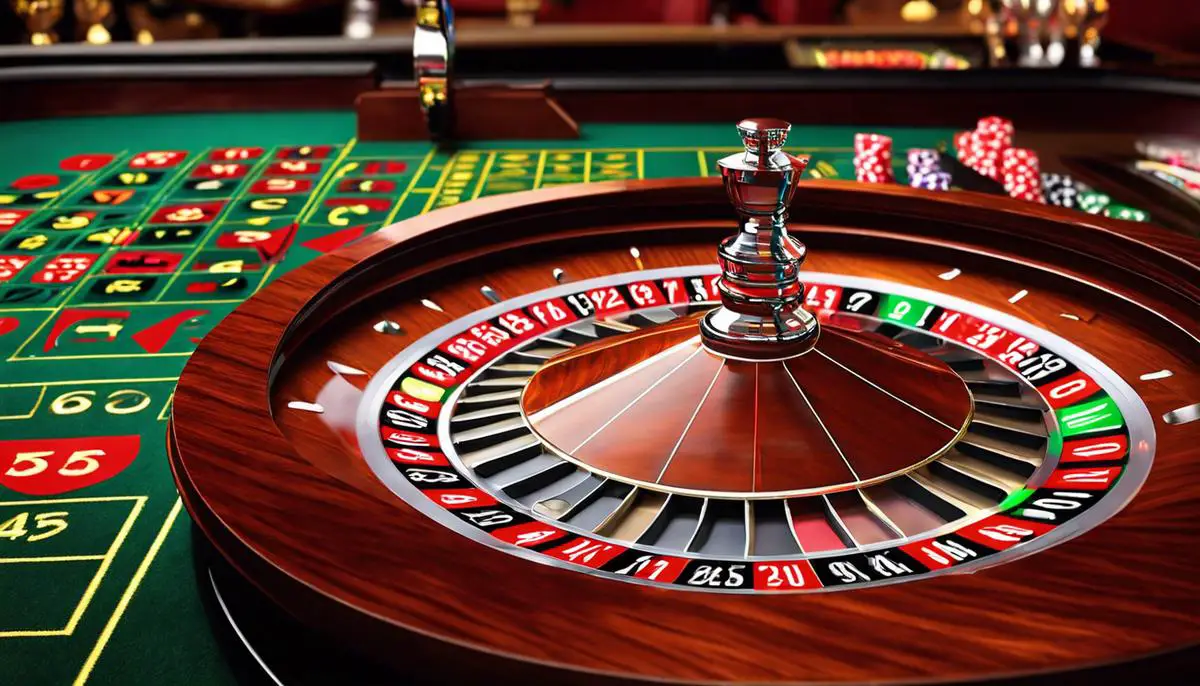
(996, 128)
(1021, 173)
(964, 147)
(873, 158)
(983, 149)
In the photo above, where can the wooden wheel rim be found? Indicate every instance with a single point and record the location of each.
(250, 470)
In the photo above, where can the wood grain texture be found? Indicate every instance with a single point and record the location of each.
(899, 371)
(862, 419)
(724, 418)
(587, 365)
(292, 507)
(811, 423)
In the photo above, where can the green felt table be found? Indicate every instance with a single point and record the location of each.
(114, 263)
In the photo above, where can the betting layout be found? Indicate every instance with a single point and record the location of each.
(112, 267)
(162, 225)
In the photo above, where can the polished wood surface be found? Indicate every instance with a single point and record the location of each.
(713, 426)
(311, 526)
(588, 365)
(923, 382)
(482, 113)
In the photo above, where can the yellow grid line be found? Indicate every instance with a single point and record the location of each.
(258, 223)
(540, 170)
(437, 187)
(123, 604)
(323, 185)
(71, 501)
(214, 229)
(114, 356)
(301, 219)
(263, 281)
(483, 175)
(691, 148)
(703, 163)
(51, 558)
(108, 558)
(154, 303)
(74, 382)
(33, 633)
(163, 414)
(410, 189)
(36, 404)
(386, 158)
(102, 258)
(90, 592)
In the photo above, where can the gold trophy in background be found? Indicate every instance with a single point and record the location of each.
(1082, 21)
(522, 13)
(91, 17)
(40, 16)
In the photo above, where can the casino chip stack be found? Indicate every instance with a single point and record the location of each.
(1093, 202)
(1129, 214)
(1062, 190)
(964, 147)
(873, 158)
(925, 171)
(983, 149)
(1021, 173)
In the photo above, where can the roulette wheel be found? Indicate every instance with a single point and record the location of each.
(548, 436)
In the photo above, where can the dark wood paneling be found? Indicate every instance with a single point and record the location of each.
(37, 99)
(1070, 110)
(481, 113)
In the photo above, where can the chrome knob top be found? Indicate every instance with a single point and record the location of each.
(763, 136)
(762, 315)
